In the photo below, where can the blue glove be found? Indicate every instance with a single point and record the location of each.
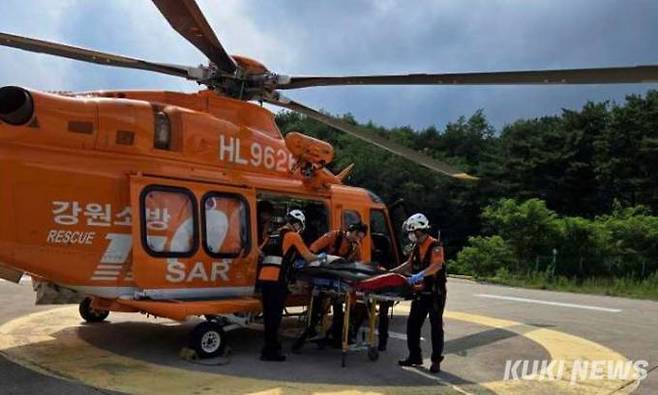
(299, 264)
(416, 278)
(322, 257)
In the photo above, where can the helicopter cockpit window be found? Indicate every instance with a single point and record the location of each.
(225, 225)
(169, 221)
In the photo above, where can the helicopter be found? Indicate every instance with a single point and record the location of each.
(148, 201)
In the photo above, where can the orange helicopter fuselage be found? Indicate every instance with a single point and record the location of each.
(122, 194)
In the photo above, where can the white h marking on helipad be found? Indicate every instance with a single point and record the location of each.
(537, 301)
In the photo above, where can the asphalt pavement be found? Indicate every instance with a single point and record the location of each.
(47, 350)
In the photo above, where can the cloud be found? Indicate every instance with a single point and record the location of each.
(355, 37)
(25, 69)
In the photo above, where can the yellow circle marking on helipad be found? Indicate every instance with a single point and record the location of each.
(561, 347)
(30, 341)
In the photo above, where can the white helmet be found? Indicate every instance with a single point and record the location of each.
(296, 216)
(417, 222)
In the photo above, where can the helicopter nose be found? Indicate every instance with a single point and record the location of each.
(16, 105)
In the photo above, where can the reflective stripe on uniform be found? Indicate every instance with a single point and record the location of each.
(272, 260)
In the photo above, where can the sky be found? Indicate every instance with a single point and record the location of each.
(343, 37)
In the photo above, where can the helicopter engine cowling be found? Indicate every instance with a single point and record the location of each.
(16, 105)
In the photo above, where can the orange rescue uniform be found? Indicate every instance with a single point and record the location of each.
(292, 247)
(335, 242)
(436, 256)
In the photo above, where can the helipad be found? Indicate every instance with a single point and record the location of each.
(138, 355)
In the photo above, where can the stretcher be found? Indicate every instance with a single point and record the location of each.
(354, 283)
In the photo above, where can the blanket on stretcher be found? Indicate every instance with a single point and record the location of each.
(360, 276)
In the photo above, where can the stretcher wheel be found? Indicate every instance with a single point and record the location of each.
(90, 314)
(208, 340)
(373, 353)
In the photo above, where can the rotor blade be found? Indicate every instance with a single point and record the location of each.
(86, 55)
(607, 75)
(188, 20)
(371, 137)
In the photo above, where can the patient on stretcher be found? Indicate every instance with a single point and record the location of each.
(338, 276)
(361, 276)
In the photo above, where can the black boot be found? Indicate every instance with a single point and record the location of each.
(298, 344)
(309, 334)
(436, 365)
(272, 354)
(411, 362)
(382, 344)
(272, 357)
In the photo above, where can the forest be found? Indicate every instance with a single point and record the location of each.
(572, 195)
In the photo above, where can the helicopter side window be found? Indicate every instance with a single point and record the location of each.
(169, 221)
(225, 225)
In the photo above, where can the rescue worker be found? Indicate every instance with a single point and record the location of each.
(343, 243)
(280, 251)
(428, 276)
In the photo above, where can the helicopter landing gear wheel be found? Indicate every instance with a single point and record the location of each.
(90, 314)
(208, 340)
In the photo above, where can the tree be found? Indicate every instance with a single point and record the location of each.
(484, 256)
(530, 228)
(582, 248)
(577, 163)
(633, 241)
(626, 153)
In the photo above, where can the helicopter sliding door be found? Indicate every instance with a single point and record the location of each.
(192, 239)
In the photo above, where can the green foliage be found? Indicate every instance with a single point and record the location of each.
(557, 183)
(529, 227)
(633, 241)
(622, 244)
(616, 286)
(483, 256)
(581, 161)
(582, 247)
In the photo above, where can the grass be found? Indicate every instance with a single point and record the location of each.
(624, 286)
